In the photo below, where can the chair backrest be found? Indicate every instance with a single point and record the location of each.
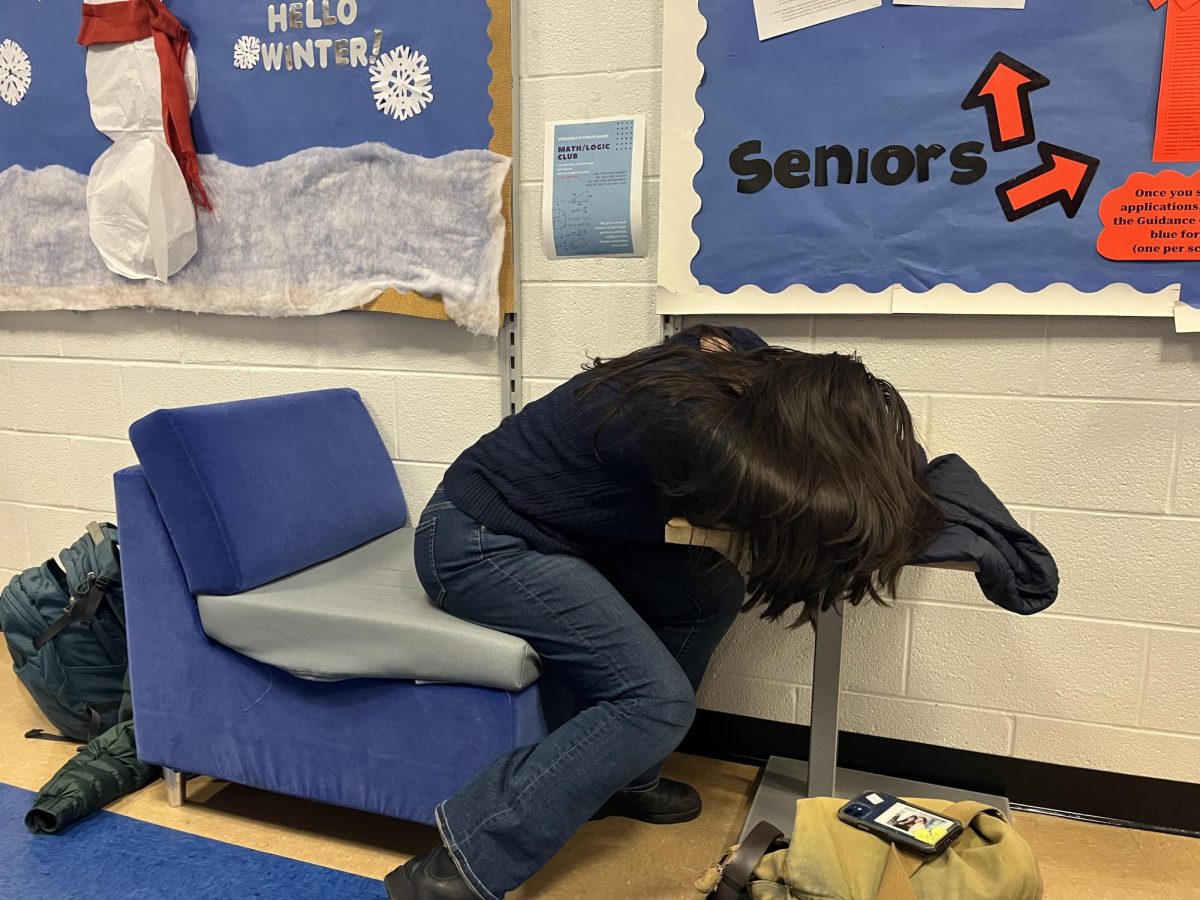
(254, 490)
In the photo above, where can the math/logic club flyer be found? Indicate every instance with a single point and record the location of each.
(592, 202)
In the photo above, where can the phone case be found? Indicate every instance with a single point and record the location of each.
(893, 819)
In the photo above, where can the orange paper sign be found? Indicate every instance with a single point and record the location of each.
(1177, 132)
(1153, 218)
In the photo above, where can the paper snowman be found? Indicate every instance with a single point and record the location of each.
(140, 213)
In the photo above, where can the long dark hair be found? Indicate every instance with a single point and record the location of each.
(809, 460)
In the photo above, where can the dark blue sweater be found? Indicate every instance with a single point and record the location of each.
(552, 476)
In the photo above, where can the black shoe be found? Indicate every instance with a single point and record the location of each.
(430, 876)
(667, 803)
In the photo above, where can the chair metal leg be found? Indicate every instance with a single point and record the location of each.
(176, 786)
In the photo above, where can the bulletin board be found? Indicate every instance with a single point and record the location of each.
(933, 160)
(278, 83)
(500, 120)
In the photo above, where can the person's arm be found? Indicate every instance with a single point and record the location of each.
(719, 337)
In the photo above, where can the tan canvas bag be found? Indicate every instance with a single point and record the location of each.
(830, 860)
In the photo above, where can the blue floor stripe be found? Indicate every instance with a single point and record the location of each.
(110, 856)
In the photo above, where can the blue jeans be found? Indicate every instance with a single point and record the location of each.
(630, 634)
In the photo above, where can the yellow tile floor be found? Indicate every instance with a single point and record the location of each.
(614, 858)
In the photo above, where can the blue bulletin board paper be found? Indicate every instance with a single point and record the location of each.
(891, 81)
(593, 194)
(257, 115)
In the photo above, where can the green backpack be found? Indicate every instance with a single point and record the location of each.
(65, 629)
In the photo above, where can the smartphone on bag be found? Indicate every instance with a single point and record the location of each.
(898, 821)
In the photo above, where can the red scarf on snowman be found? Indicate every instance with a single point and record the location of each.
(134, 20)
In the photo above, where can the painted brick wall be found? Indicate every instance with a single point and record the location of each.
(1090, 430)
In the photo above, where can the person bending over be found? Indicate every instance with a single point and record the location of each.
(552, 528)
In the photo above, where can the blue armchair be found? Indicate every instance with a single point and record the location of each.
(233, 497)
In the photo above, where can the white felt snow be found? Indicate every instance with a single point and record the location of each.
(16, 72)
(323, 230)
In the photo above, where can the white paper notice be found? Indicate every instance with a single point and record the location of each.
(776, 17)
(592, 192)
(965, 4)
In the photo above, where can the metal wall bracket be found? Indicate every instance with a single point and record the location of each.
(511, 399)
(671, 326)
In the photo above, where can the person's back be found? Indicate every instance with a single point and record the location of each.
(544, 475)
(570, 472)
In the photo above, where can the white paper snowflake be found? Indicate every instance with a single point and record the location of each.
(401, 83)
(15, 72)
(246, 52)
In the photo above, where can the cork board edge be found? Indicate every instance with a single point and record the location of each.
(410, 303)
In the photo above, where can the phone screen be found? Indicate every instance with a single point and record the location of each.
(918, 823)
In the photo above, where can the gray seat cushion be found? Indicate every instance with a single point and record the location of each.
(364, 614)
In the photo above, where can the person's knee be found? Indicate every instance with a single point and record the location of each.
(684, 714)
(671, 706)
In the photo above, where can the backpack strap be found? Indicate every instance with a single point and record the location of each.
(896, 883)
(108, 559)
(95, 725)
(85, 603)
(86, 598)
(108, 563)
(41, 734)
(737, 870)
(901, 866)
(966, 811)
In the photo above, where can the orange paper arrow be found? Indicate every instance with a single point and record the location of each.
(1064, 177)
(1177, 129)
(1004, 89)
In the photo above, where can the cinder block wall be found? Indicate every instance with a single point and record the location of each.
(72, 383)
(1090, 429)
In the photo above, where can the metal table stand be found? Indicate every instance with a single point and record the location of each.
(784, 780)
